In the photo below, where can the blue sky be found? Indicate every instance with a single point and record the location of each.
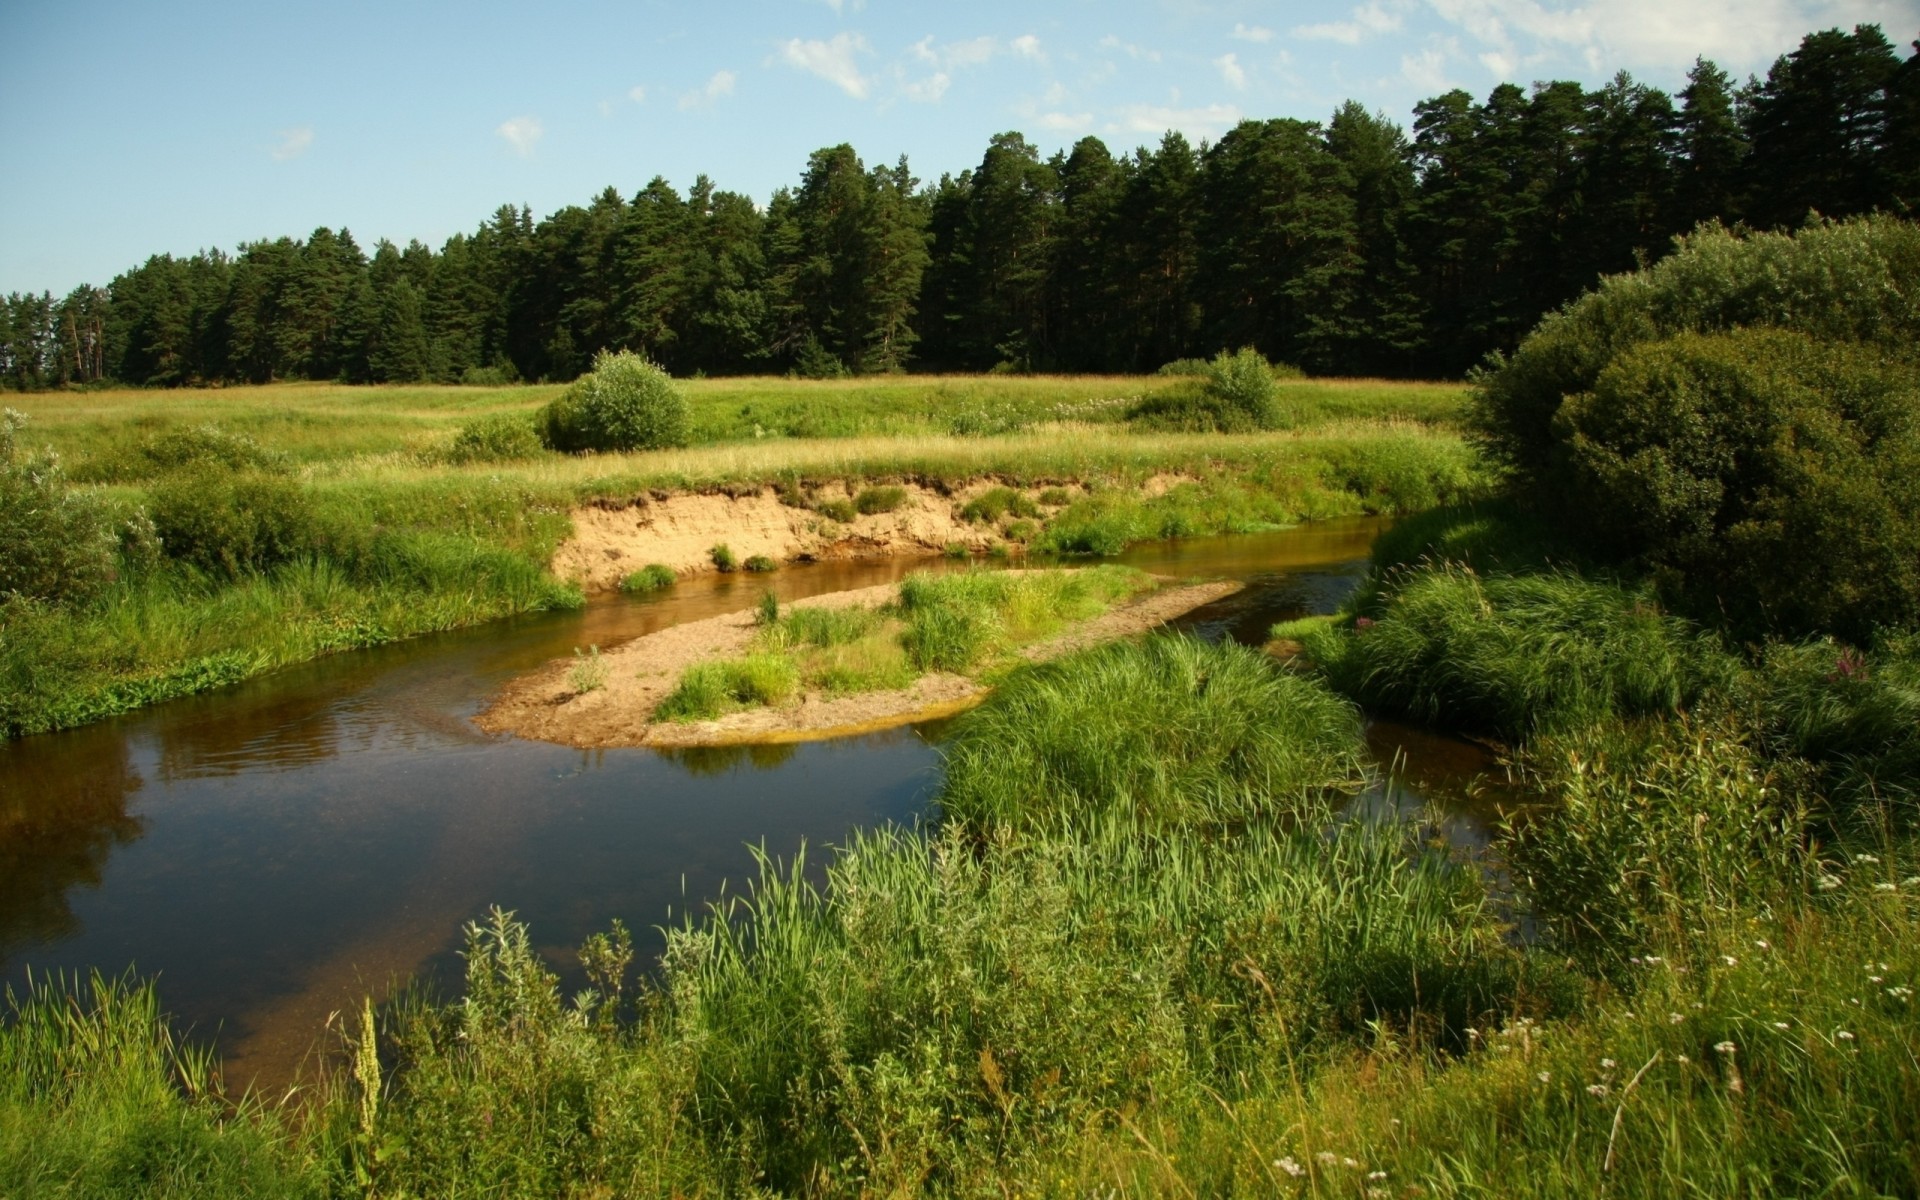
(129, 129)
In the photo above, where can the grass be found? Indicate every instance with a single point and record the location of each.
(1171, 732)
(1512, 655)
(964, 623)
(651, 578)
(1081, 1002)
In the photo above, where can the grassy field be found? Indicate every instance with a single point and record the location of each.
(321, 422)
(359, 525)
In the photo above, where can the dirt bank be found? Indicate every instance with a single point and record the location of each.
(545, 706)
(610, 542)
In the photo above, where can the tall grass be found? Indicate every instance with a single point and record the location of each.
(1172, 731)
(1512, 655)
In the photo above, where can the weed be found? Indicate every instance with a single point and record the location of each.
(589, 671)
(759, 564)
(990, 506)
(879, 499)
(839, 509)
(713, 689)
(650, 578)
(723, 559)
(768, 614)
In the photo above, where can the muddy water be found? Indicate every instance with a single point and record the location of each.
(274, 851)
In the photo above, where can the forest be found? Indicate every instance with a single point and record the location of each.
(1349, 247)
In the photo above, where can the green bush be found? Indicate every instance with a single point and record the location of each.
(1171, 730)
(881, 499)
(947, 638)
(232, 525)
(1233, 393)
(1851, 281)
(55, 544)
(1772, 479)
(723, 558)
(839, 509)
(995, 503)
(1517, 655)
(1854, 714)
(500, 437)
(759, 564)
(624, 403)
(650, 578)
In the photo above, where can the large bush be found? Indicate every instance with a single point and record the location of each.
(1852, 281)
(1744, 417)
(232, 525)
(55, 544)
(1233, 393)
(1772, 478)
(624, 403)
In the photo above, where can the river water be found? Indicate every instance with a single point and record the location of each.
(274, 851)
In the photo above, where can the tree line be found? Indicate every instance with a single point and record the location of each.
(1353, 246)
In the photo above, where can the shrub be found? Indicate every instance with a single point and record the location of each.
(723, 559)
(713, 689)
(1719, 459)
(759, 564)
(1171, 730)
(1855, 715)
(767, 614)
(1234, 393)
(883, 499)
(995, 503)
(589, 670)
(499, 437)
(1516, 655)
(1850, 281)
(55, 544)
(650, 578)
(232, 525)
(624, 403)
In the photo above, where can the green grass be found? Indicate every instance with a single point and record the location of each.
(713, 689)
(1169, 732)
(651, 578)
(1512, 655)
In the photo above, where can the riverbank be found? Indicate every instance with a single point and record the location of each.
(549, 705)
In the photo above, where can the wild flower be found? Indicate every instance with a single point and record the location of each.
(1883, 887)
(1674, 1018)
(1827, 883)
(1844, 1035)
(1725, 1047)
(1376, 1176)
(1290, 1167)
(1607, 1064)
(1350, 1164)
(1762, 944)
(1544, 1076)
(1327, 1158)
(1596, 1089)
(1730, 960)
(1781, 1025)
(1850, 665)
(1899, 993)
(1362, 624)
(1682, 1059)
(1866, 858)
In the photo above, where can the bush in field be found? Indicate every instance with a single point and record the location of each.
(624, 403)
(650, 578)
(1852, 281)
(1234, 393)
(1853, 714)
(55, 544)
(232, 525)
(1516, 655)
(1170, 731)
(1772, 478)
(500, 437)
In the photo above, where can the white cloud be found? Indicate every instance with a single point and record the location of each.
(721, 84)
(1232, 71)
(970, 53)
(1426, 68)
(1064, 122)
(1251, 33)
(1028, 46)
(1654, 34)
(831, 60)
(293, 143)
(637, 94)
(840, 5)
(1368, 19)
(1207, 122)
(1132, 51)
(521, 133)
(928, 90)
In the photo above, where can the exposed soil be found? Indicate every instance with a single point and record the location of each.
(545, 705)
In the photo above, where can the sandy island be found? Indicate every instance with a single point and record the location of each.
(544, 706)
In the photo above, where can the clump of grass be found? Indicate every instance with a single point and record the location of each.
(1054, 497)
(838, 509)
(651, 578)
(1020, 531)
(1853, 714)
(759, 564)
(1515, 655)
(957, 551)
(498, 437)
(817, 625)
(714, 689)
(589, 670)
(768, 614)
(723, 558)
(1169, 731)
(995, 503)
(879, 499)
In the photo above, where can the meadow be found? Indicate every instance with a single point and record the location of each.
(302, 519)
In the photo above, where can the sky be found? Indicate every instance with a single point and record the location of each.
(132, 129)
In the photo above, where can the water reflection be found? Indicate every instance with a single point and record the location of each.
(61, 815)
